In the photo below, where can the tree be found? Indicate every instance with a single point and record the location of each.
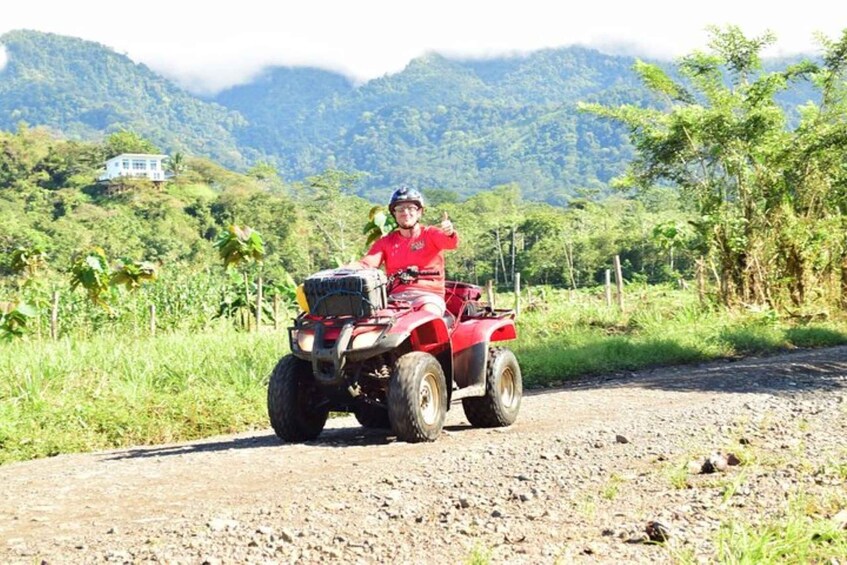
(379, 224)
(333, 216)
(90, 270)
(28, 260)
(670, 236)
(762, 192)
(126, 141)
(240, 246)
(498, 213)
(267, 175)
(13, 319)
(175, 164)
(132, 274)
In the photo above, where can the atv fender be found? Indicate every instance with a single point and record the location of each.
(471, 340)
(428, 333)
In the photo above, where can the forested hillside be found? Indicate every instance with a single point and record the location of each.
(52, 213)
(460, 125)
(440, 123)
(84, 90)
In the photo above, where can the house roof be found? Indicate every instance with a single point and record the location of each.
(137, 156)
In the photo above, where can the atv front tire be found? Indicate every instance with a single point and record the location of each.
(503, 392)
(293, 401)
(417, 397)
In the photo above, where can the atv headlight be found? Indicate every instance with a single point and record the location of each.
(305, 340)
(365, 339)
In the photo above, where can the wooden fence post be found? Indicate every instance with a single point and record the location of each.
(619, 281)
(276, 312)
(259, 304)
(701, 281)
(608, 288)
(489, 289)
(517, 294)
(153, 320)
(54, 316)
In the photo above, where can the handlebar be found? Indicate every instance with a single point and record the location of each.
(411, 274)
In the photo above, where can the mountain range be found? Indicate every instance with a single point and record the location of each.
(462, 125)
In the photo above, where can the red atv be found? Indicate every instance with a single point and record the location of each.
(393, 366)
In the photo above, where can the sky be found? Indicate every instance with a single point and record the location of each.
(206, 49)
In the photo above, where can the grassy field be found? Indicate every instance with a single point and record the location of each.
(572, 334)
(116, 390)
(72, 396)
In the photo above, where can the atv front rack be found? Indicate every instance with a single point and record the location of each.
(329, 353)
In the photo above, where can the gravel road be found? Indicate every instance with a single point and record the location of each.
(589, 471)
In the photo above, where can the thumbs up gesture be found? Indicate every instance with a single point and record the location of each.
(446, 225)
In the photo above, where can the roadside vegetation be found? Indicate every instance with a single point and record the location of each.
(808, 526)
(120, 389)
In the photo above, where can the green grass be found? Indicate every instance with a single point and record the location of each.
(194, 191)
(800, 531)
(580, 335)
(678, 476)
(72, 396)
(612, 487)
(478, 555)
(796, 538)
(119, 388)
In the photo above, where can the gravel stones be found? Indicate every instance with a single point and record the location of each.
(583, 476)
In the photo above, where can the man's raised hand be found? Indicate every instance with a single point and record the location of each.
(446, 225)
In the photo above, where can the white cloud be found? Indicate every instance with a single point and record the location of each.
(4, 57)
(210, 48)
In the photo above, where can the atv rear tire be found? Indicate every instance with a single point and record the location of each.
(417, 397)
(293, 401)
(370, 416)
(503, 392)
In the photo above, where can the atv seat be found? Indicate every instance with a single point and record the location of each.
(457, 295)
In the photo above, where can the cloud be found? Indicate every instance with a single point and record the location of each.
(4, 57)
(219, 47)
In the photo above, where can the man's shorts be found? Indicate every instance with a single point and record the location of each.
(420, 297)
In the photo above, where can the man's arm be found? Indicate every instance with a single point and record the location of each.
(445, 235)
(372, 260)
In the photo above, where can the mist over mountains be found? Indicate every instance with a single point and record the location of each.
(462, 125)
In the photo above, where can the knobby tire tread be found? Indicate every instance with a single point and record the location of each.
(488, 411)
(291, 419)
(403, 398)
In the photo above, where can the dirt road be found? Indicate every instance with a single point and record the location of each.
(579, 476)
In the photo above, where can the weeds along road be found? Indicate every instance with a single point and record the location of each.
(578, 476)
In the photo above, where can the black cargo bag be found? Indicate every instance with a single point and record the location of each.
(346, 292)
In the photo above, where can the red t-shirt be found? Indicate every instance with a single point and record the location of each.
(424, 251)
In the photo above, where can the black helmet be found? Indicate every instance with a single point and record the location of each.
(405, 194)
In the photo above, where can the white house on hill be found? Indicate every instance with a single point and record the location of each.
(140, 165)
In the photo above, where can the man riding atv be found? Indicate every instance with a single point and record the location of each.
(414, 245)
(395, 348)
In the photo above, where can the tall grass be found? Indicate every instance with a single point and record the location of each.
(122, 387)
(575, 333)
(68, 396)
